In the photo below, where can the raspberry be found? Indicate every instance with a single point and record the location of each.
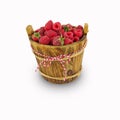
(61, 32)
(48, 25)
(51, 41)
(68, 35)
(67, 41)
(78, 32)
(50, 33)
(44, 40)
(57, 26)
(76, 38)
(57, 34)
(67, 27)
(58, 40)
(41, 31)
(36, 36)
(79, 27)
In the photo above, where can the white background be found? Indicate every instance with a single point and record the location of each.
(95, 95)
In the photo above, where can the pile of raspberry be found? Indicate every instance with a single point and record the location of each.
(56, 34)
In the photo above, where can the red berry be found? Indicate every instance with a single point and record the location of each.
(65, 28)
(36, 36)
(51, 41)
(58, 40)
(44, 40)
(69, 27)
(68, 35)
(57, 26)
(61, 32)
(67, 41)
(78, 32)
(79, 27)
(76, 38)
(41, 31)
(48, 25)
(50, 33)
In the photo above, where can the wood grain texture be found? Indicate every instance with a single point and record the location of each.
(55, 70)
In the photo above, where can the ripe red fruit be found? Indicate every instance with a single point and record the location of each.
(36, 36)
(67, 41)
(57, 34)
(65, 28)
(58, 40)
(78, 32)
(50, 33)
(79, 27)
(69, 27)
(41, 31)
(57, 26)
(48, 25)
(68, 35)
(76, 38)
(44, 40)
(51, 41)
(61, 32)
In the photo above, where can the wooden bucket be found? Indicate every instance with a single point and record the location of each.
(59, 64)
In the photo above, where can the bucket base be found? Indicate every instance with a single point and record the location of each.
(69, 79)
(60, 81)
